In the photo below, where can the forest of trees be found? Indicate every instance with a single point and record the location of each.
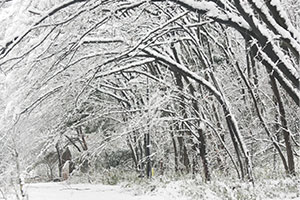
(207, 87)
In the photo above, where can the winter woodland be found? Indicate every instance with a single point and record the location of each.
(149, 99)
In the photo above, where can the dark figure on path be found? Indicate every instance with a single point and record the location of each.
(66, 162)
(66, 156)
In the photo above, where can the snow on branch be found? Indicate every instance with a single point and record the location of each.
(211, 10)
(165, 59)
(89, 40)
(131, 65)
(35, 11)
(111, 95)
(38, 101)
(295, 91)
(112, 87)
(147, 75)
(11, 44)
(265, 38)
(27, 52)
(282, 18)
(125, 8)
(286, 34)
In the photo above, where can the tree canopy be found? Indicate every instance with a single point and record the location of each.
(181, 84)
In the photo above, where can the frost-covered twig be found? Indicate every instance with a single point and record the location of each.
(11, 44)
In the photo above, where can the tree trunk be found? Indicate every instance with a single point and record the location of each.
(133, 152)
(179, 82)
(230, 119)
(82, 137)
(175, 151)
(262, 121)
(59, 159)
(201, 135)
(202, 149)
(285, 130)
(147, 154)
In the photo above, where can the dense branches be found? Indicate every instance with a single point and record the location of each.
(156, 75)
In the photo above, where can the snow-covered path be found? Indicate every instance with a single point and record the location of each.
(63, 191)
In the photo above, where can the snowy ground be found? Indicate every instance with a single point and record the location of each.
(64, 191)
(279, 189)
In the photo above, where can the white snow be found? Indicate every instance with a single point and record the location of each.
(213, 11)
(131, 65)
(283, 15)
(163, 189)
(184, 69)
(64, 191)
(102, 40)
